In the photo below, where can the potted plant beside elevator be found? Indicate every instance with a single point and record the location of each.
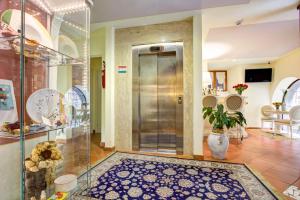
(220, 119)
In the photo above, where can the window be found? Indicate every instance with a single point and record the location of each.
(292, 95)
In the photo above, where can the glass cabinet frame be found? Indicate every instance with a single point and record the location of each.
(46, 107)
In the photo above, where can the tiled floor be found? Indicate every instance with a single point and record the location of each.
(75, 154)
(276, 159)
(97, 153)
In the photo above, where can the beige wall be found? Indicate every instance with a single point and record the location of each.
(181, 31)
(95, 96)
(97, 50)
(287, 66)
(260, 94)
(257, 95)
(97, 46)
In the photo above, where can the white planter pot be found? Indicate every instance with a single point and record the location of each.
(218, 145)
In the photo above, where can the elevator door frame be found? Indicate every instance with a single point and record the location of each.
(176, 47)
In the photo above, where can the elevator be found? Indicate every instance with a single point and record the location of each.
(158, 98)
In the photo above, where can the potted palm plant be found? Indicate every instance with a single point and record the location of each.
(220, 119)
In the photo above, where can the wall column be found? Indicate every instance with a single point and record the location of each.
(197, 87)
(109, 113)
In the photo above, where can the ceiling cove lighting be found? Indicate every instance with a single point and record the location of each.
(66, 9)
(214, 50)
(70, 9)
(156, 44)
(42, 5)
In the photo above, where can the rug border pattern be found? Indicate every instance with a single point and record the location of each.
(241, 171)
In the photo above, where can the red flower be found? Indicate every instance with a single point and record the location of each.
(240, 87)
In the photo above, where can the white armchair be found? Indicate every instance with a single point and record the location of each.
(209, 101)
(267, 115)
(294, 120)
(234, 103)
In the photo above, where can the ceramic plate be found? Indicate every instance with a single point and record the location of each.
(34, 30)
(46, 103)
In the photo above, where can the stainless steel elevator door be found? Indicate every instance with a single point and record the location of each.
(166, 100)
(148, 111)
(157, 102)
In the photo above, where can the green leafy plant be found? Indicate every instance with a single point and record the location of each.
(219, 118)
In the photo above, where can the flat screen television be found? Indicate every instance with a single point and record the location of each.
(258, 75)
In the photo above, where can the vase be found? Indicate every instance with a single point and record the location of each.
(218, 145)
(50, 175)
(240, 92)
(35, 183)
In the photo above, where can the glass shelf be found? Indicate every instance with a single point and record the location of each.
(38, 52)
(46, 129)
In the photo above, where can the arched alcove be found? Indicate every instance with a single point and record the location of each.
(281, 88)
(292, 96)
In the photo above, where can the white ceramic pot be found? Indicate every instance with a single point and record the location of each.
(65, 183)
(218, 145)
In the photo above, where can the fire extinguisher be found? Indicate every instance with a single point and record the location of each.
(103, 75)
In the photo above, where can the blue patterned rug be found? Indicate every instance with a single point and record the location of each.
(133, 176)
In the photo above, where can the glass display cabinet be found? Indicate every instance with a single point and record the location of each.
(44, 97)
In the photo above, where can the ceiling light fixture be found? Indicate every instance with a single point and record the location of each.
(239, 22)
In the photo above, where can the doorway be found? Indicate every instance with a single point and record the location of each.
(96, 94)
(158, 98)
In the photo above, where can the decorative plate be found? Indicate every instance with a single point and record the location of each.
(34, 30)
(45, 103)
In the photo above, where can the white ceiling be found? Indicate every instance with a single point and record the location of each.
(269, 30)
(110, 10)
(264, 40)
(256, 11)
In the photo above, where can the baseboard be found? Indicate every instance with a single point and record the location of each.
(109, 148)
(198, 157)
(102, 145)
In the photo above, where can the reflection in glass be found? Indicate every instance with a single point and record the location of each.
(292, 97)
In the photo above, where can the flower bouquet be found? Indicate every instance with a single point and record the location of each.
(240, 88)
(40, 167)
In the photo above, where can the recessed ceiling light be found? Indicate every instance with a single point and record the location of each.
(239, 22)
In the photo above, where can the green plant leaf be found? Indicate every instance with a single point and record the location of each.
(219, 118)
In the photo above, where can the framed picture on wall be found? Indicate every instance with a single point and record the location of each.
(219, 79)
